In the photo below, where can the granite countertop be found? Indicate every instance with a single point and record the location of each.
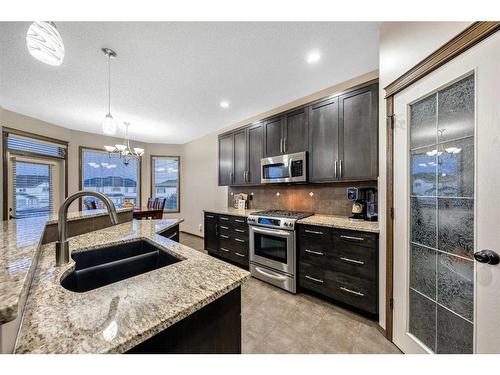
(18, 256)
(340, 222)
(333, 221)
(234, 211)
(116, 317)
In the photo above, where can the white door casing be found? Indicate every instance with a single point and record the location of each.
(483, 61)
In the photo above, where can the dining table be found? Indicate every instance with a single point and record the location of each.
(147, 213)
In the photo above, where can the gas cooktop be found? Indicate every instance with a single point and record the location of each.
(283, 214)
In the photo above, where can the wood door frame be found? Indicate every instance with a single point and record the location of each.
(468, 38)
(5, 133)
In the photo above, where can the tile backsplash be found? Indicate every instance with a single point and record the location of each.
(329, 199)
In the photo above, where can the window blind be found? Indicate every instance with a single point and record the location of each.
(23, 144)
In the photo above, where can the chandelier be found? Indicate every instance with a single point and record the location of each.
(124, 151)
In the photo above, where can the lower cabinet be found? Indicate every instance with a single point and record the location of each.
(171, 233)
(340, 264)
(226, 237)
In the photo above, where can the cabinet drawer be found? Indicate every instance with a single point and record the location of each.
(240, 231)
(316, 278)
(210, 216)
(239, 256)
(355, 260)
(356, 292)
(224, 219)
(315, 232)
(240, 241)
(349, 237)
(239, 221)
(315, 250)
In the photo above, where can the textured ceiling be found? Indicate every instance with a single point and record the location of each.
(169, 77)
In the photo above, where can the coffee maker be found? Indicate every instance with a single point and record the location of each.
(364, 203)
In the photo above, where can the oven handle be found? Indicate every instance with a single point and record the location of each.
(268, 274)
(271, 232)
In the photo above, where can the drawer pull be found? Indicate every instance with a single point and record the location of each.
(239, 230)
(313, 231)
(352, 260)
(239, 220)
(224, 227)
(314, 252)
(352, 238)
(224, 249)
(210, 216)
(352, 291)
(237, 239)
(224, 218)
(314, 279)
(241, 255)
(172, 235)
(223, 236)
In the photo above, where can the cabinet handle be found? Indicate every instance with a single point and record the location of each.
(313, 232)
(226, 237)
(352, 238)
(224, 227)
(224, 249)
(314, 252)
(281, 145)
(352, 291)
(172, 235)
(340, 168)
(224, 218)
(230, 177)
(241, 255)
(284, 144)
(352, 260)
(314, 279)
(239, 230)
(335, 169)
(210, 216)
(237, 239)
(239, 221)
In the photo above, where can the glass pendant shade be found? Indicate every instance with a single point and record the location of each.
(44, 43)
(109, 125)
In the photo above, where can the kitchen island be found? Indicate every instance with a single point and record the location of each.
(126, 315)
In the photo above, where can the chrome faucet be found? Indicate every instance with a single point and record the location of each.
(62, 245)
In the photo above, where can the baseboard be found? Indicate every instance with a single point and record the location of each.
(192, 234)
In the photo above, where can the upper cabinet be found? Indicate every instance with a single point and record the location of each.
(226, 160)
(324, 141)
(358, 136)
(340, 134)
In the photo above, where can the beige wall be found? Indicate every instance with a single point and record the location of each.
(78, 138)
(402, 45)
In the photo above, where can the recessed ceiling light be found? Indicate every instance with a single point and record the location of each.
(313, 57)
(224, 104)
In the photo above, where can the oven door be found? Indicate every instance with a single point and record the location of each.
(273, 248)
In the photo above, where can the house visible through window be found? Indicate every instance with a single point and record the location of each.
(165, 180)
(109, 175)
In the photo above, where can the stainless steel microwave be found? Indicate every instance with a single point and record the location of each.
(284, 168)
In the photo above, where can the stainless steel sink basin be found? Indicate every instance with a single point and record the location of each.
(107, 265)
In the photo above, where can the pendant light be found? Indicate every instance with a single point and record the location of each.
(123, 150)
(109, 124)
(44, 43)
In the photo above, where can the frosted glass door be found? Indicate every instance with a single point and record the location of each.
(441, 217)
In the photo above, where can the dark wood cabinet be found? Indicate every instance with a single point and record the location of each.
(273, 137)
(240, 157)
(296, 135)
(226, 160)
(340, 264)
(324, 141)
(211, 234)
(226, 237)
(340, 134)
(358, 135)
(255, 153)
(171, 233)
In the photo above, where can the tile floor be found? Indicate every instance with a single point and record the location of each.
(275, 321)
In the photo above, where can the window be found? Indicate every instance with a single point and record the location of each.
(32, 197)
(165, 180)
(108, 175)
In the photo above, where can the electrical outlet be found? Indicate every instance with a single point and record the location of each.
(200, 228)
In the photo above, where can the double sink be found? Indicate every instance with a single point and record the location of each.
(106, 265)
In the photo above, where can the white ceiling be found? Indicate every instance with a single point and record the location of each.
(169, 77)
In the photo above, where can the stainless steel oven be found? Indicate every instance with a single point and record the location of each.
(273, 247)
(284, 168)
